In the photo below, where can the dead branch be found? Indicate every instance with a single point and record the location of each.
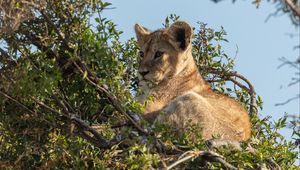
(73, 117)
(207, 155)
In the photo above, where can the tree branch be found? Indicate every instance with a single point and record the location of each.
(250, 89)
(58, 32)
(294, 7)
(93, 80)
(18, 102)
(6, 58)
(207, 155)
(287, 101)
(96, 139)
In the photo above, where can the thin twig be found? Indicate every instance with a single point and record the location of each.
(287, 101)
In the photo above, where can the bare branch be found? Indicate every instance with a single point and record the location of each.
(294, 64)
(207, 155)
(294, 7)
(287, 101)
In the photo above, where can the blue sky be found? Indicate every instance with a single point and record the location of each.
(260, 43)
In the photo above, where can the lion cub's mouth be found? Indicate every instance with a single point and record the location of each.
(146, 83)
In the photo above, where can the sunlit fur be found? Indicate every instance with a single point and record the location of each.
(180, 95)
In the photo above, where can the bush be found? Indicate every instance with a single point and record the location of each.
(66, 97)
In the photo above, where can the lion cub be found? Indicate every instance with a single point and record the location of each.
(168, 73)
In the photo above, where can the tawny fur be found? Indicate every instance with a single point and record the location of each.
(180, 96)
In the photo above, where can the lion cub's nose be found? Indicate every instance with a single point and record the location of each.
(143, 73)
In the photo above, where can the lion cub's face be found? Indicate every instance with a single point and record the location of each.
(163, 51)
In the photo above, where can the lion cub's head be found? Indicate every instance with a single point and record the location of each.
(163, 52)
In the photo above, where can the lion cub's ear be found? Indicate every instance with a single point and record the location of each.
(141, 34)
(181, 34)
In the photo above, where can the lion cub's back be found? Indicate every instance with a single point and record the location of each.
(216, 114)
(232, 113)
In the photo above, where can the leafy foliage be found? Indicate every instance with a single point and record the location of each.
(56, 115)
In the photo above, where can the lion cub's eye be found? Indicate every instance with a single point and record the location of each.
(141, 53)
(158, 54)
